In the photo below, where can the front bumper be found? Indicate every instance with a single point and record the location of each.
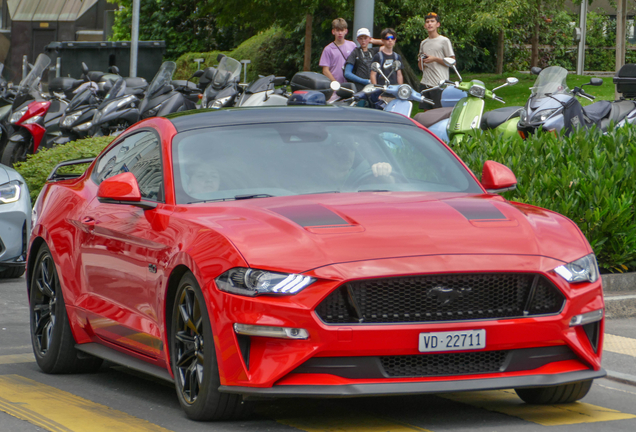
(279, 367)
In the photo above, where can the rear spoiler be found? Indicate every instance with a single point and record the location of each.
(54, 176)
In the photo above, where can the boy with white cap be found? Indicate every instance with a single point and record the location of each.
(358, 65)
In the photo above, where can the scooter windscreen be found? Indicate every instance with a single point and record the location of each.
(551, 81)
(227, 71)
(84, 97)
(118, 89)
(29, 83)
(161, 80)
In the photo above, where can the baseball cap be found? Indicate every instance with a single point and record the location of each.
(363, 32)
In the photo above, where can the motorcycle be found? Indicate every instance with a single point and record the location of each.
(553, 107)
(223, 89)
(35, 118)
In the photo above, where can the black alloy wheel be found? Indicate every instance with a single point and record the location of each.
(193, 359)
(51, 335)
(44, 303)
(189, 345)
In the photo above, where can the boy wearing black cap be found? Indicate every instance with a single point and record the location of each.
(433, 50)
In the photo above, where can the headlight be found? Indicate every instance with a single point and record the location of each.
(220, 103)
(16, 116)
(70, 119)
(125, 101)
(541, 116)
(404, 92)
(477, 91)
(9, 192)
(523, 115)
(84, 126)
(32, 120)
(582, 270)
(253, 282)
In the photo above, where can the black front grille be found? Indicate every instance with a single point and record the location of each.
(444, 364)
(454, 297)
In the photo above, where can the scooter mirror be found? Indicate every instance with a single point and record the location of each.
(219, 57)
(512, 80)
(397, 65)
(114, 69)
(375, 66)
(85, 69)
(596, 82)
(535, 70)
(449, 61)
(335, 85)
(197, 74)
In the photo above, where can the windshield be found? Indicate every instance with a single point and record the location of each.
(117, 90)
(30, 82)
(83, 97)
(163, 77)
(551, 81)
(227, 71)
(234, 162)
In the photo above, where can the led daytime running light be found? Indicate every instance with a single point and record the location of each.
(587, 318)
(273, 332)
(9, 192)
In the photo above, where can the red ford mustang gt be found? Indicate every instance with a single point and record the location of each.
(308, 251)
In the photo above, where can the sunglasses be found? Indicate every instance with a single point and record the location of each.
(389, 38)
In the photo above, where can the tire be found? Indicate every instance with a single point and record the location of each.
(193, 359)
(561, 394)
(51, 336)
(11, 272)
(16, 152)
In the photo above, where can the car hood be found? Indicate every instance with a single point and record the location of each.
(305, 232)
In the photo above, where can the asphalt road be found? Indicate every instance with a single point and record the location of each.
(118, 399)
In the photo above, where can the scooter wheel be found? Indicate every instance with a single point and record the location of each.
(16, 152)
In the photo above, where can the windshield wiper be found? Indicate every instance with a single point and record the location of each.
(374, 190)
(250, 196)
(321, 192)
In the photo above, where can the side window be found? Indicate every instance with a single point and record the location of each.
(139, 154)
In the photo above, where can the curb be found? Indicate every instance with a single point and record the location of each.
(620, 305)
(621, 377)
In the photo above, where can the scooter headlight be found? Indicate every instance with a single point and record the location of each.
(220, 103)
(477, 91)
(32, 120)
(70, 119)
(523, 115)
(16, 116)
(84, 126)
(543, 115)
(404, 92)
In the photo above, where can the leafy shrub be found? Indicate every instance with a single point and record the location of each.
(38, 166)
(588, 177)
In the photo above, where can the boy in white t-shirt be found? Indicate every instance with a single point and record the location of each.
(433, 50)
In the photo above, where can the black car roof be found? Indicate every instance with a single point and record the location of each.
(242, 116)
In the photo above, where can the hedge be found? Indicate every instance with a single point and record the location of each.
(37, 167)
(588, 177)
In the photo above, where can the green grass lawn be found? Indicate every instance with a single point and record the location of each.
(518, 95)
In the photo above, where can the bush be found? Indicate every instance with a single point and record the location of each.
(588, 177)
(38, 166)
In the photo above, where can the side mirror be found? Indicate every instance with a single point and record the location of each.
(335, 85)
(280, 81)
(220, 57)
(114, 69)
(85, 69)
(497, 178)
(535, 70)
(449, 61)
(375, 66)
(512, 80)
(197, 74)
(122, 189)
(396, 65)
(596, 82)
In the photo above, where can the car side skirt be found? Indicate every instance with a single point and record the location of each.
(396, 389)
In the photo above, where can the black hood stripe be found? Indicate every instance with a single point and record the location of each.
(310, 215)
(476, 210)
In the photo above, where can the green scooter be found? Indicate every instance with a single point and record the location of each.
(468, 114)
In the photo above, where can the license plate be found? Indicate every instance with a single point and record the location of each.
(452, 341)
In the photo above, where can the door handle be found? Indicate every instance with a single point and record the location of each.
(89, 223)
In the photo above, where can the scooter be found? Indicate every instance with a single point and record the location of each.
(223, 89)
(553, 107)
(400, 96)
(263, 92)
(34, 118)
(468, 114)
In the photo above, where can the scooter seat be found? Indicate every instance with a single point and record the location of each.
(495, 118)
(597, 110)
(430, 117)
(619, 111)
(136, 82)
